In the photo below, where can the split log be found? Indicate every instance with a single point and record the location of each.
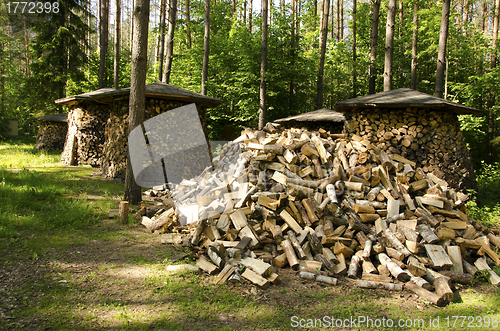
(290, 254)
(393, 268)
(432, 297)
(379, 285)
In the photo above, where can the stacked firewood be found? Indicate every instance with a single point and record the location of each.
(85, 136)
(51, 135)
(326, 207)
(432, 139)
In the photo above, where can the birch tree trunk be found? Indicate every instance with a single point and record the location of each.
(443, 36)
(137, 88)
(389, 44)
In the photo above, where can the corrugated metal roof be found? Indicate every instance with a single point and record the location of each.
(62, 117)
(154, 90)
(404, 97)
(321, 115)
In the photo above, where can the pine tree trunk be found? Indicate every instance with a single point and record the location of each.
(291, 90)
(132, 28)
(250, 14)
(491, 100)
(172, 15)
(103, 39)
(206, 49)
(373, 47)
(263, 67)
(342, 20)
(137, 100)
(163, 14)
(116, 77)
(244, 12)
(354, 87)
(413, 79)
(322, 48)
(389, 44)
(188, 24)
(443, 36)
(338, 20)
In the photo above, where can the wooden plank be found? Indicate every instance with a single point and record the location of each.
(438, 256)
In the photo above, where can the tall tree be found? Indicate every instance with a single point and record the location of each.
(443, 37)
(162, 39)
(118, 24)
(493, 64)
(413, 78)
(389, 44)
(373, 47)
(354, 12)
(325, 8)
(263, 67)
(206, 49)
(103, 39)
(172, 15)
(188, 23)
(137, 101)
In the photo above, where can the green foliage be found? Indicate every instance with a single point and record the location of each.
(486, 206)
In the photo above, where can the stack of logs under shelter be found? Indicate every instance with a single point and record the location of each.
(328, 207)
(115, 148)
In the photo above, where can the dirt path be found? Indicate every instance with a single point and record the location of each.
(114, 277)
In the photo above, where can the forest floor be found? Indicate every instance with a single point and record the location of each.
(104, 275)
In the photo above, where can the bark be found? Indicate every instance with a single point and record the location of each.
(118, 23)
(413, 79)
(291, 90)
(161, 55)
(137, 88)
(245, 12)
(443, 36)
(206, 49)
(338, 20)
(354, 87)
(322, 46)
(389, 45)
(250, 17)
(483, 16)
(103, 39)
(493, 64)
(188, 23)
(263, 67)
(342, 20)
(172, 15)
(373, 47)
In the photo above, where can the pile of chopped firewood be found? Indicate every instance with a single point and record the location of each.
(325, 207)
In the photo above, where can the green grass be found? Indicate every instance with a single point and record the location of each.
(486, 207)
(38, 192)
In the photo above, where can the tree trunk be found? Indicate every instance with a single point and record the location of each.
(483, 16)
(103, 39)
(342, 20)
(493, 64)
(322, 48)
(206, 49)
(389, 45)
(413, 79)
(250, 17)
(291, 90)
(116, 77)
(172, 15)
(137, 100)
(443, 36)
(188, 24)
(161, 54)
(373, 47)
(244, 12)
(354, 87)
(338, 20)
(132, 27)
(263, 67)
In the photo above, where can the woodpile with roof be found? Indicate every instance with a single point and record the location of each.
(417, 126)
(324, 118)
(52, 130)
(98, 123)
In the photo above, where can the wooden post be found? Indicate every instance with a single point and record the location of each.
(123, 212)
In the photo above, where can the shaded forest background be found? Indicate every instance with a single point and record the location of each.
(46, 56)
